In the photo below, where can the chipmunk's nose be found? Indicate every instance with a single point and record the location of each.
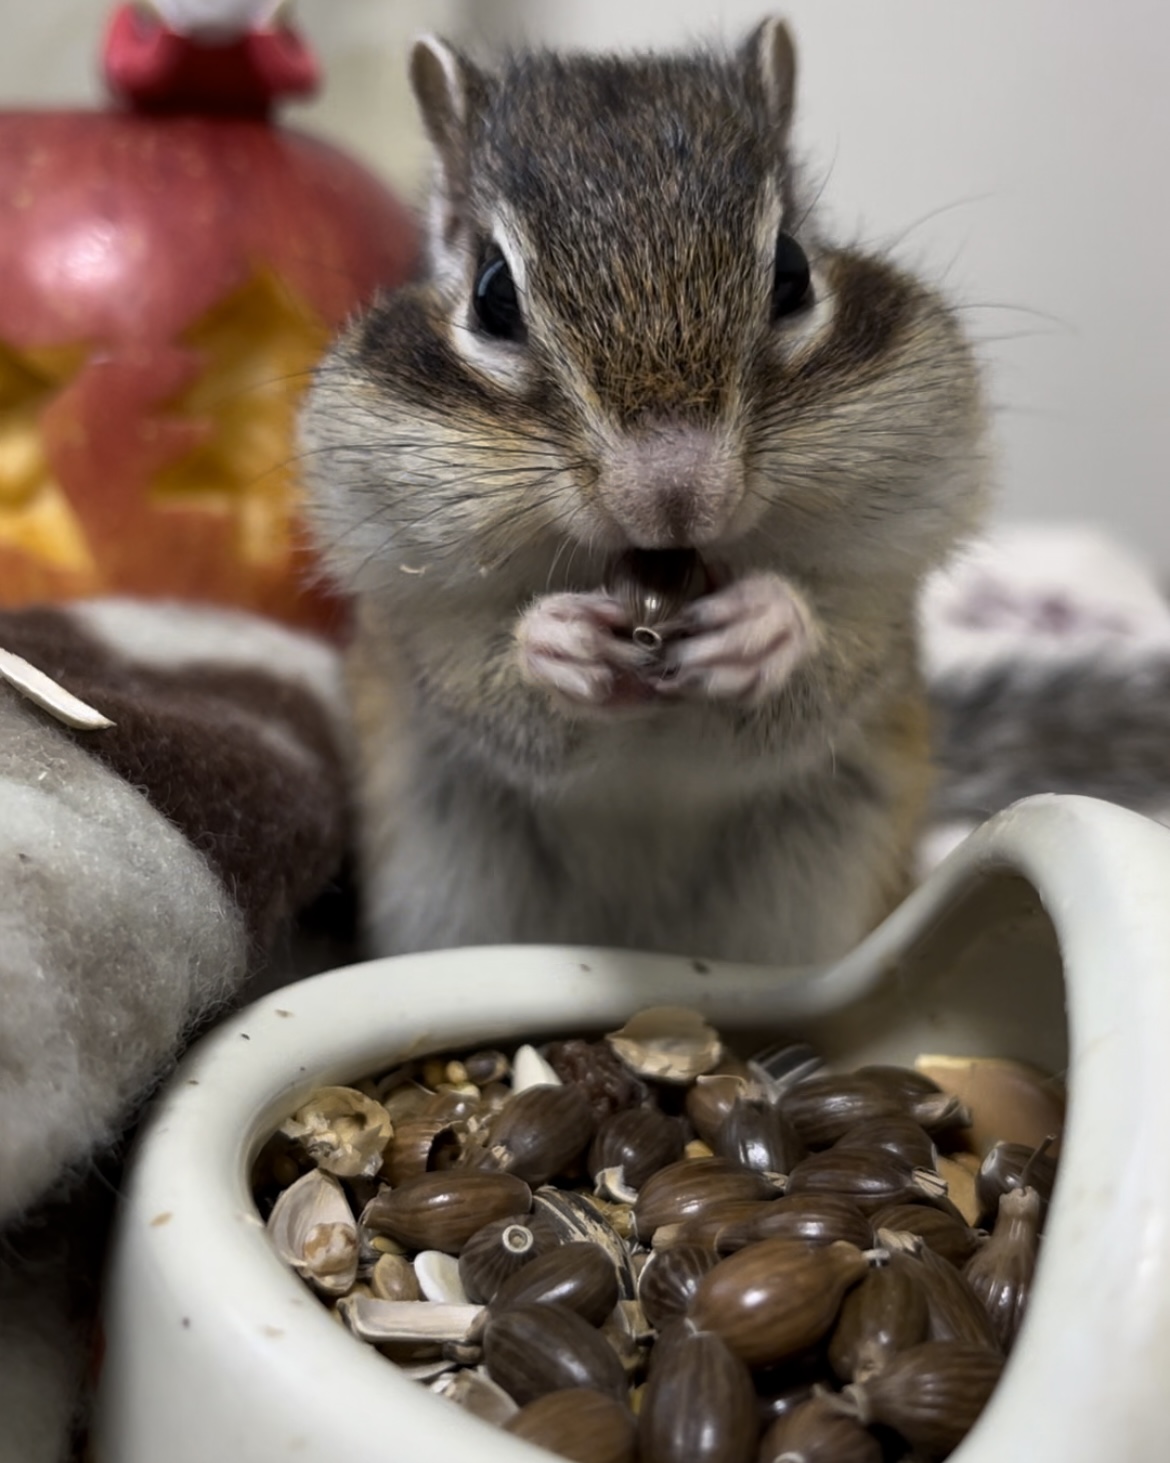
(671, 485)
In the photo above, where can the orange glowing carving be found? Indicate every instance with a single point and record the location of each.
(166, 285)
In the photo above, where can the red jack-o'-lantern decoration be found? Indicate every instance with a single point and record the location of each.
(170, 271)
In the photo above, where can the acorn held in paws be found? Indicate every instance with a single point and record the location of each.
(654, 586)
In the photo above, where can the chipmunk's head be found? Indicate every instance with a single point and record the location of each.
(630, 334)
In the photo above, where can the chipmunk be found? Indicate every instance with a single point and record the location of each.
(632, 346)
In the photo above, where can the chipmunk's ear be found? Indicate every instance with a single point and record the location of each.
(447, 87)
(771, 57)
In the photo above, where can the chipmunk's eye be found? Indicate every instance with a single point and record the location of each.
(790, 277)
(494, 298)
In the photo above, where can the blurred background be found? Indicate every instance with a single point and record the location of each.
(1015, 151)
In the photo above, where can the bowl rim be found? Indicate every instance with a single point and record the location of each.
(1102, 875)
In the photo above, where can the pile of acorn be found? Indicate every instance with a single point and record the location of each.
(643, 1248)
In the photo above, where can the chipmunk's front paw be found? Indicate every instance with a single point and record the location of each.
(739, 644)
(573, 644)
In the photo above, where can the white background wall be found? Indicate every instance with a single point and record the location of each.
(1019, 150)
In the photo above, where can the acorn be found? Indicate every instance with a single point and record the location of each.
(816, 1432)
(670, 1278)
(683, 1189)
(1013, 1166)
(946, 1235)
(637, 1140)
(777, 1297)
(710, 1098)
(931, 1394)
(908, 1082)
(955, 1311)
(707, 1226)
(871, 1180)
(579, 1276)
(541, 1131)
(757, 1135)
(897, 1134)
(500, 1249)
(533, 1349)
(654, 585)
(441, 1211)
(698, 1405)
(818, 1219)
(580, 1424)
(882, 1315)
(824, 1107)
(1001, 1273)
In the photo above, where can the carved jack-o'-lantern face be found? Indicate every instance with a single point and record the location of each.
(166, 285)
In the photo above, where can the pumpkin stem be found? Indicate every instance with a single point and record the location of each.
(156, 69)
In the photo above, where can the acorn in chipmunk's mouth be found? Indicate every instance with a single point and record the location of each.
(655, 585)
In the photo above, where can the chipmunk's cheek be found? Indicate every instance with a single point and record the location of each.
(741, 643)
(570, 644)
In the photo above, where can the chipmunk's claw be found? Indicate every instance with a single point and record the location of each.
(740, 643)
(578, 646)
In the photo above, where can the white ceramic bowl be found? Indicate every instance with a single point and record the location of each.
(216, 1352)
